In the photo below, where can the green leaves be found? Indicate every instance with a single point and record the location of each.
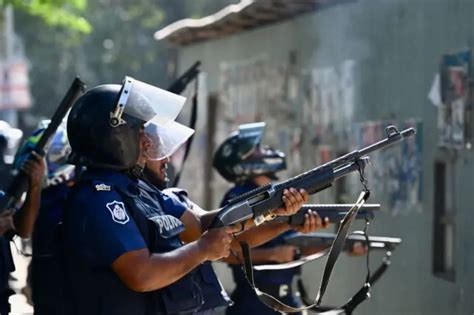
(57, 13)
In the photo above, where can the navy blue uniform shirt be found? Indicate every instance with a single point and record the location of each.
(108, 216)
(103, 230)
(213, 292)
(46, 264)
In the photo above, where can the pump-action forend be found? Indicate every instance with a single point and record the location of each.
(320, 240)
(259, 203)
(334, 212)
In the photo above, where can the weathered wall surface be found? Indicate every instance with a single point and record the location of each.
(328, 81)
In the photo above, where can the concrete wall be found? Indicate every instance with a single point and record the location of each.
(394, 48)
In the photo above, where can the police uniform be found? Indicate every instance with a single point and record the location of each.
(213, 292)
(277, 283)
(109, 215)
(46, 264)
(6, 267)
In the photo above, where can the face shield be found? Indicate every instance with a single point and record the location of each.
(166, 139)
(250, 135)
(146, 102)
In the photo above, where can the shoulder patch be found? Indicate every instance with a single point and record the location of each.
(102, 187)
(117, 209)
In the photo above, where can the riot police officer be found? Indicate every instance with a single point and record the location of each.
(122, 250)
(21, 222)
(46, 208)
(242, 160)
(168, 139)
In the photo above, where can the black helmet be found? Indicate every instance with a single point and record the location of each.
(94, 141)
(104, 124)
(241, 156)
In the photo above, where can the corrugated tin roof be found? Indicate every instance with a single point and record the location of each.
(247, 14)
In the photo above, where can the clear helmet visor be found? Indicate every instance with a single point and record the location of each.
(249, 135)
(166, 139)
(146, 102)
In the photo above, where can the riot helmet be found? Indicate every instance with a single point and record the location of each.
(242, 156)
(9, 140)
(104, 124)
(57, 151)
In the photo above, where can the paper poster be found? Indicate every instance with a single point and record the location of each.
(455, 73)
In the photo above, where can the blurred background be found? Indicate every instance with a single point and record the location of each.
(327, 76)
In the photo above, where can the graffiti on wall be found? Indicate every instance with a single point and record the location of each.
(330, 106)
(395, 174)
(249, 87)
(256, 90)
(327, 101)
(310, 116)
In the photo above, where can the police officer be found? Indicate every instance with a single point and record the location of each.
(244, 161)
(155, 174)
(122, 251)
(47, 207)
(6, 262)
(6, 224)
(168, 139)
(21, 223)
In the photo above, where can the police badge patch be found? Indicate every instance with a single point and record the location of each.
(117, 209)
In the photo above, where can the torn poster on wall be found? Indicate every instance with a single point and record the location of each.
(329, 104)
(455, 109)
(253, 90)
(395, 174)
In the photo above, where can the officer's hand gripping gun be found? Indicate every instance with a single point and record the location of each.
(259, 203)
(334, 212)
(19, 183)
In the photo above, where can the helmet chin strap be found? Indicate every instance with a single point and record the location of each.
(136, 171)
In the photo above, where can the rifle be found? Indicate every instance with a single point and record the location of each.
(334, 212)
(178, 87)
(182, 82)
(320, 240)
(19, 184)
(258, 203)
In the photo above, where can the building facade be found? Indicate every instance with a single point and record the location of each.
(328, 79)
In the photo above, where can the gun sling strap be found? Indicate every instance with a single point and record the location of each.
(358, 298)
(336, 248)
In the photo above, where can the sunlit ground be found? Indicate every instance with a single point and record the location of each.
(18, 301)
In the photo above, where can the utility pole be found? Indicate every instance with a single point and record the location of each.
(6, 56)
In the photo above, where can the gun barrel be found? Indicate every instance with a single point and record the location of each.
(334, 212)
(393, 136)
(339, 207)
(325, 239)
(265, 199)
